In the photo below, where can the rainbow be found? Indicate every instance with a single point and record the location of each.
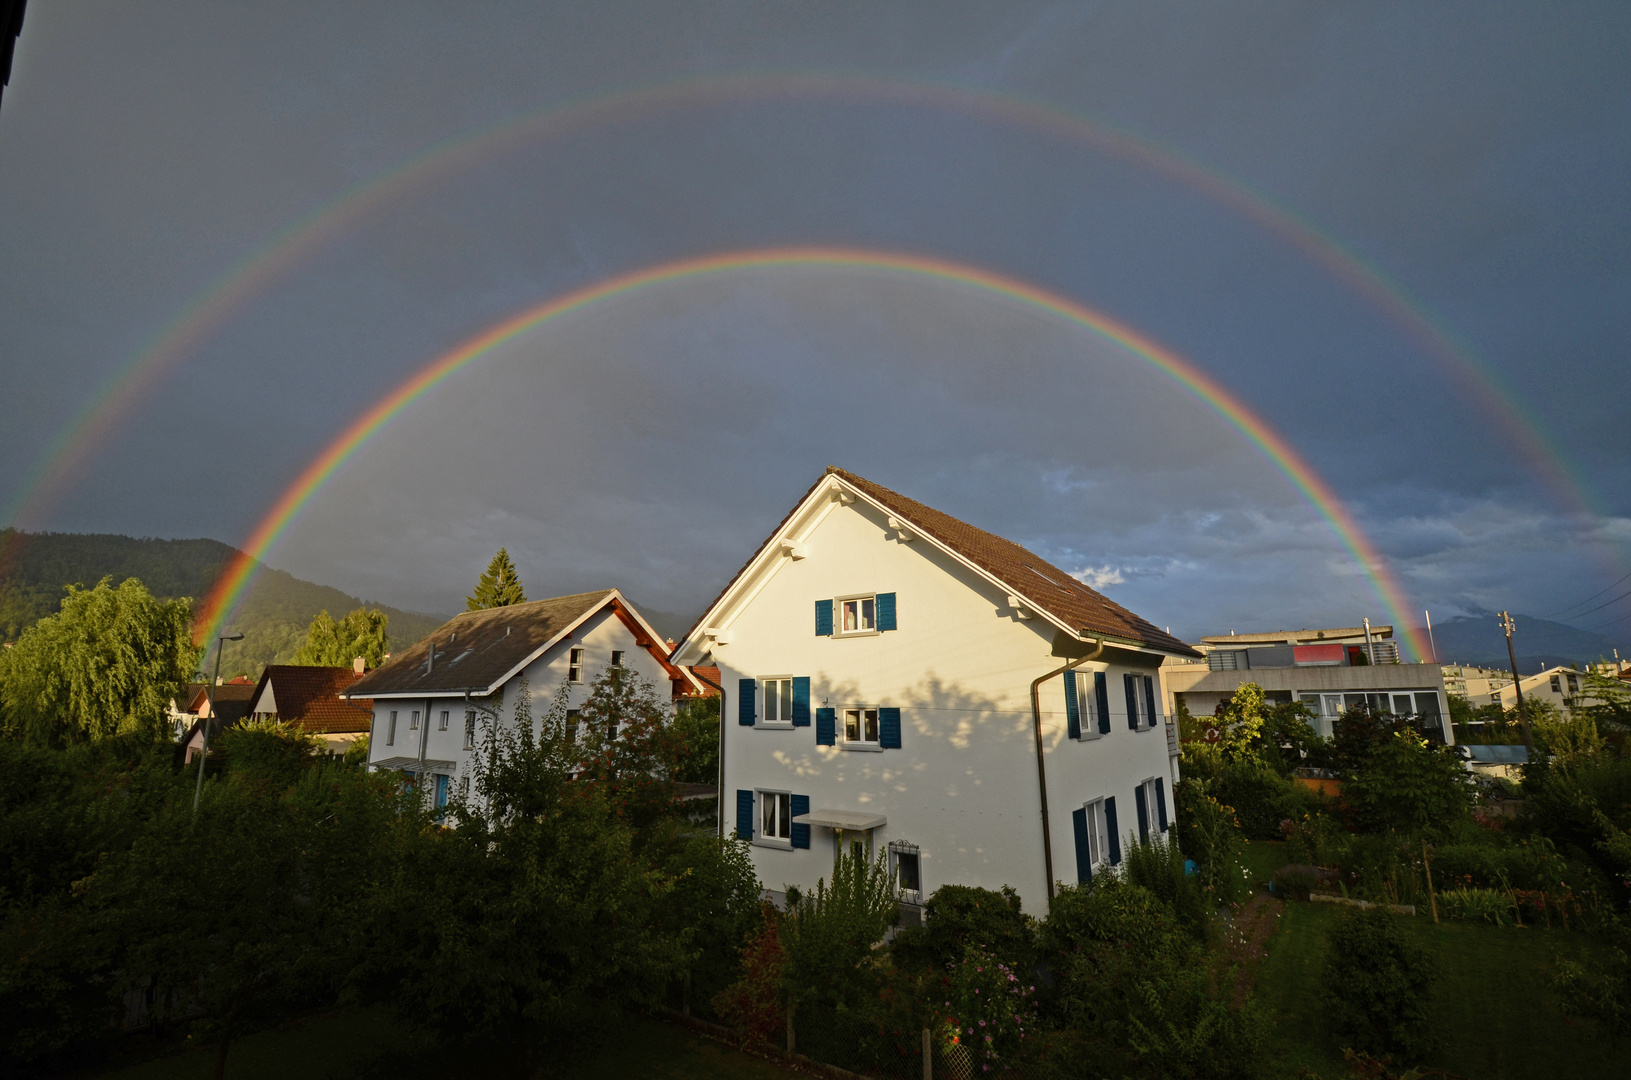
(76, 442)
(230, 587)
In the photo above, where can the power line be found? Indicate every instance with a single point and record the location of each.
(1587, 600)
(1611, 622)
(1603, 605)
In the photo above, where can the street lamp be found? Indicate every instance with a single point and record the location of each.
(209, 695)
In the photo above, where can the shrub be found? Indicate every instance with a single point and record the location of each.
(753, 1004)
(1475, 905)
(1294, 881)
(958, 916)
(988, 1008)
(830, 931)
(1379, 985)
(1159, 867)
(1600, 988)
(1209, 833)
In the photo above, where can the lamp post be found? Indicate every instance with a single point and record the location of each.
(209, 695)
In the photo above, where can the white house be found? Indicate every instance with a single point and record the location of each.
(896, 675)
(423, 721)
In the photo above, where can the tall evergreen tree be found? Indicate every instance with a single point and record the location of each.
(500, 586)
(335, 644)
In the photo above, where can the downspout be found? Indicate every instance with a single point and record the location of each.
(721, 689)
(1041, 766)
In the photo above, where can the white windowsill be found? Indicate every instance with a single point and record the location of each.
(774, 725)
(856, 633)
(774, 842)
(866, 747)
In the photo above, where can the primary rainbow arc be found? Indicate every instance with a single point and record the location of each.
(230, 587)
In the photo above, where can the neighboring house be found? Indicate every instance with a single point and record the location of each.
(315, 700)
(1328, 670)
(879, 658)
(231, 705)
(1494, 687)
(1503, 761)
(425, 700)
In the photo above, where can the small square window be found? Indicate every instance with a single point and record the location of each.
(778, 701)
(775, 815)
(617, 658)
(574, 665)
(858, 615)
(905, 861)
(861, 726)
(1557, 685)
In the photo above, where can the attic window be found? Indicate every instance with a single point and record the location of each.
(1044, 577)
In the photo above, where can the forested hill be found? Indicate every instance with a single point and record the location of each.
(273, 616)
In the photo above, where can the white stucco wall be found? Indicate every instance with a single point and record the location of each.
(963, 785)
(598, 636)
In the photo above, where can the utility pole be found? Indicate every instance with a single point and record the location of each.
(204, 728)
(1517, 683)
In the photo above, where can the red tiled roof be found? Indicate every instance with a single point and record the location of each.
(309, 698)
(711, 677)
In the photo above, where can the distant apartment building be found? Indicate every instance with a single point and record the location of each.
(1328, 670)
(1492, 686)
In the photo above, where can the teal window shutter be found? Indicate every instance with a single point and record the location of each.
(1161, 803)
(746, 691)
(1149, 698)
(886, 611)
(1101, 693)
(1084, 858)
(799, 805)
(826, 727)
(1114, 831)
(823, 618)
(1127, 684)
(889, 728)
(1143, 815)
(1073, 713)
(744, 814)
(801, 701)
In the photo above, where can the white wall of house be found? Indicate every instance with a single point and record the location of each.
(963, 785)
(598, 636)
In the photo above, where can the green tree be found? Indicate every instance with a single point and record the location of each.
(628, 747)
(336, 644)
(829, 932)
(107, 664)
(1408, 783)
(500, 585)
(1379, 985)
(696, 726)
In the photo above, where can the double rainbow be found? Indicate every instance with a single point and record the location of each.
(230, 587)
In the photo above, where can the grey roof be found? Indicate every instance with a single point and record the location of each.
(1497, 755)
(475, 651)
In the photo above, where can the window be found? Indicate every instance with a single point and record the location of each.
(469, 729)
(904, 861)
(778, 701)
(1097, 845)
(1149, 799)
(443, 725)
(1557, 685)
(390, 730)
(442, 781)
(413, 720)
(617, 658)
(775, 816)
(1574, 683)
(572, 725)
(861, 727)
(574, 665)
(858, 615)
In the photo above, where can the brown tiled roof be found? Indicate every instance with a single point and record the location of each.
(226, 697)
(1052, 590)
(309, 698)
(1048, 587)
(710, 674)
(476, 649)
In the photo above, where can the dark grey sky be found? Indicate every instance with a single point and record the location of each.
(1479, 155)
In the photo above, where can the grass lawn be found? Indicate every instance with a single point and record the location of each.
(1262, 859)
(367, 1043)
(1500, 1020)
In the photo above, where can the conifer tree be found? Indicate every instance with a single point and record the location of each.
(331, 643)
(500, 586)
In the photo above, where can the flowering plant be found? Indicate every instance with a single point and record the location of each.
(988, 1009)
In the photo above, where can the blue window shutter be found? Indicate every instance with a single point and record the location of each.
(800, 804)
(1114, 831)
(745, 689)
(1101, 691)
(823, 618)
(826, 727)
(1084, 857)
(1073, 714)
(1161, 803)
(1127, 684)
(889, 728)
(801, 701)
(1143, 814)
(744, 814)
(886, 611)
(1149, 698)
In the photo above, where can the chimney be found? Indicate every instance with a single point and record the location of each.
(359, 665)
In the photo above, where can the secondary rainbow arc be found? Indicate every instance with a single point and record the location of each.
(78, 440)
(235, 579)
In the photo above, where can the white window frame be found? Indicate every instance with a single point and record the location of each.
(469, 730)
(413, 720)
(617, 657)
(766, 695)
(897, 848)
(1087, 704)
(574, 665)
(442, 723)
(1098, 841)
(862, 744)
(573, 724)
(783, 802)
(858, 599)
(1150, 808)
